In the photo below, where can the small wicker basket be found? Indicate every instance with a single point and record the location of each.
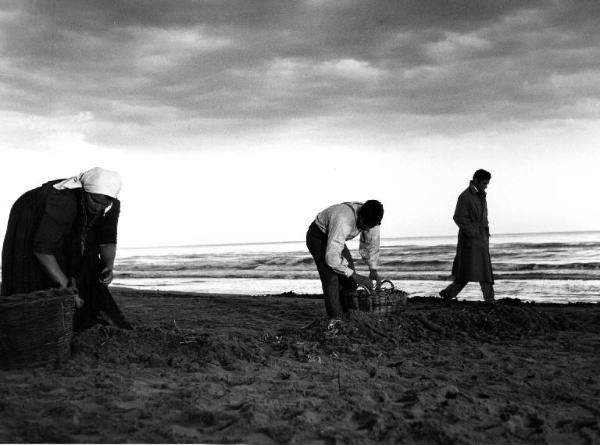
(35, 328)
(385, 300)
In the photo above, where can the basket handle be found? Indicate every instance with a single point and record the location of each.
(370, 292)
(389, 282)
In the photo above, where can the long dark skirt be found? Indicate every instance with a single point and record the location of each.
(100, 306)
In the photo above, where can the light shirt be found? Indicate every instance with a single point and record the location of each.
(339, 223)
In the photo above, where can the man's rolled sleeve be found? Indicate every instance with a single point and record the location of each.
(369, 247)
(336, 241)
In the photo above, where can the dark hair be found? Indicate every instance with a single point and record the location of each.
(482, 175)
(371, 212)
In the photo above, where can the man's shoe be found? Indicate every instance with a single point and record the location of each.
(117, 319)
(333, 327)
(446, 296)
(334, 323)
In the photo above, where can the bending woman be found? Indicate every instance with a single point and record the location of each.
(63, 234)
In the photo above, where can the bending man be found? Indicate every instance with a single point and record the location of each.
(326, 241)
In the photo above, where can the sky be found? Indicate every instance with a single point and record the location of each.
(238, 121)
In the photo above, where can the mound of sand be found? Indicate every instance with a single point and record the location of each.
(270, 370)
(164, 346)
(169, 345)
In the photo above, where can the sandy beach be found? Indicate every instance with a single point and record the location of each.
(236, 369)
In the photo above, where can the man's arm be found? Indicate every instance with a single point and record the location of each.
(333, 254)
(369, 251)
(462, 218)
(336, 240)
(369, 246)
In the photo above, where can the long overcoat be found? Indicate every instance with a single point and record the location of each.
(472, 261)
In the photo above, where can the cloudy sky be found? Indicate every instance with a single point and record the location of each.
(237, 120)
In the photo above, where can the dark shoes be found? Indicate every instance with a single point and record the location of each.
(333, 327)
(117, 319)
(446, 297)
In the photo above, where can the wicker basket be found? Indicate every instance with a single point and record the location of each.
(35, 328)
(385, 300)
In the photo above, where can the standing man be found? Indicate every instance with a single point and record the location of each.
(472, 261)
(326, 241)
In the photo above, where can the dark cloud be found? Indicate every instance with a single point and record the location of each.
(221, 66)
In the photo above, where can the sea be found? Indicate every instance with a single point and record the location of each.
(543, 267)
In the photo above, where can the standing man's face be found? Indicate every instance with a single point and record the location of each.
(481, 184)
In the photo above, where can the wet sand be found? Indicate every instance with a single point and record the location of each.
(235, 369)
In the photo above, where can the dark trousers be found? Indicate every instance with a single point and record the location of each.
(337, 289)
(486, 288)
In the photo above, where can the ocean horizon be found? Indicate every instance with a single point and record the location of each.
(414, 237)
(545, 267)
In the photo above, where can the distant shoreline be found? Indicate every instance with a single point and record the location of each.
(258, 243)
(512, 301)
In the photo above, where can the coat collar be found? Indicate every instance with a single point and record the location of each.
(476, 191)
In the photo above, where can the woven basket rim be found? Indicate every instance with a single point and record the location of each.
(386, 300)
(8, 301)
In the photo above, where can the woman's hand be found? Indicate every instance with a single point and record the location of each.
(79, 302)
(107, 256)
(106, 276)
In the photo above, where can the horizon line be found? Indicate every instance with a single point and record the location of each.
(254, 243)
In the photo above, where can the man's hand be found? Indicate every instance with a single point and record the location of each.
(485, 241)
(106, 276)
(374, 275)
(361, 280)
(480, 240)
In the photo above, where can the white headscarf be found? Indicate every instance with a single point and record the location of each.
(96, 180)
